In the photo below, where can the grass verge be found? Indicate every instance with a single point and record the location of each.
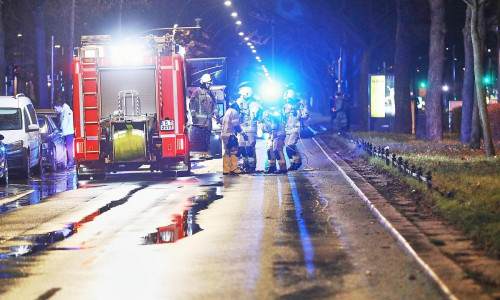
(470, 180)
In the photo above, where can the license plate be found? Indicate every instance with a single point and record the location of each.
(167, 125)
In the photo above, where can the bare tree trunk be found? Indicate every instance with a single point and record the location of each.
(2, 56)
(403, 67)
(468, 84)
(43, 92)
(68, 89)
(475, 137)
(498, 47)
(475, 141)
(435, 76)
(477, 44)
(363, 88)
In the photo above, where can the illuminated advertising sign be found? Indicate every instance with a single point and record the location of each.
(377, 96)
(390, 106)
(382, 96)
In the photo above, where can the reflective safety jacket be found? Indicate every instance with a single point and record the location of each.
(230, 122)
(274, 125)
(66, 117)
(294, 114)
(249, 111)
(202, 107)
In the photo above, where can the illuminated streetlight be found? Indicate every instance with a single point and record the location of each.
(57, 46)
(234, 14)
(227, 3)
(19, 35)
(247, 38)
(249, 44)
(241, 33)
(252, 47)
(238, 22)
(446, 88)
(254, 51)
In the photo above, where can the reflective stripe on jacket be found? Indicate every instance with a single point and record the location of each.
(230, 120)
(202, 107)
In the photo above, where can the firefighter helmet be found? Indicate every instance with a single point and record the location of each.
(206, 78)
(289, 94)
(266, 114)
(246, 92)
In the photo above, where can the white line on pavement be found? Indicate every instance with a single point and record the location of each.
(388, 226)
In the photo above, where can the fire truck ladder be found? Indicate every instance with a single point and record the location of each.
(91, 132)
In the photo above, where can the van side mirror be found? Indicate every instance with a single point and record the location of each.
(33, 127)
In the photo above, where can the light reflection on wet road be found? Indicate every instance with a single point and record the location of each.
(41, 187)
(267, 237)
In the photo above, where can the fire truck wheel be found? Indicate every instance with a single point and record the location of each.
(98, 176)
(83, 177)
(183, 173)
(168, 174)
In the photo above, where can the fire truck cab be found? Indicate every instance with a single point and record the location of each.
(129, 104)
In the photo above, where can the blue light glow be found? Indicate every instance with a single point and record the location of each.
(270, 91)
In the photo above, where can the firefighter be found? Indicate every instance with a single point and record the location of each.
(273, 124)
(250, 111)
(202, 109)
(294, 114)
(67, 128)
(230, 129)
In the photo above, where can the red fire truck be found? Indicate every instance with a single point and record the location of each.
(129, 106)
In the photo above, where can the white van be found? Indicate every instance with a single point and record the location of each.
(19, 126)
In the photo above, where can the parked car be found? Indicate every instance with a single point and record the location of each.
(54, 154)
(22, 139)
(4, 169)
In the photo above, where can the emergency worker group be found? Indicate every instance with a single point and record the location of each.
(239, 134)
(240, 125)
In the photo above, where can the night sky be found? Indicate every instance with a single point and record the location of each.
(306, 36)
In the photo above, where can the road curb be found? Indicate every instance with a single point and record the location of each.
(390, 228)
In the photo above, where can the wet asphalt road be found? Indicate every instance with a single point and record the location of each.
(295, 236)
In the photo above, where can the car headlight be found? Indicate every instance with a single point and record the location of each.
(18, 145)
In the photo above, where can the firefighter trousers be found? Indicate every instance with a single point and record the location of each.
(247, 151)
(275, 153)
(292, 137)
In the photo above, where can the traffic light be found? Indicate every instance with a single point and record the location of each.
(16, 71)
(486, 80)
(422, 84)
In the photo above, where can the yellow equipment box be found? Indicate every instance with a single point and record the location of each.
(129, 144)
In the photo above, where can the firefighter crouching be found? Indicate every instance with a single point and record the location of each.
(230, 128)
(273, 125)
(294, 113)
(250, 111)
(202, 108)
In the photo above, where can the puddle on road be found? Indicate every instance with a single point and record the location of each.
(184, 224)
(43, 187)
(36, 243)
